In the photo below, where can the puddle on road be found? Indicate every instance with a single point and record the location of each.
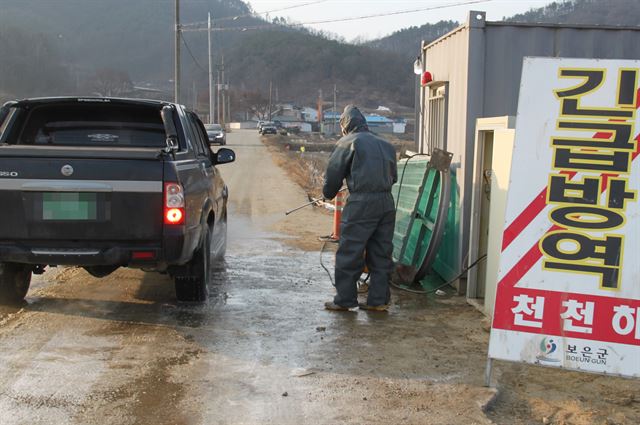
(264, 284)
(266, 307)
(263, 325)
(258, 271)
(263, 290)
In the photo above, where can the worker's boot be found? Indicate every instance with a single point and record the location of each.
(383, 307)
(330, 305)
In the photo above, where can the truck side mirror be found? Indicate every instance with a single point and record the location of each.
(225, 156)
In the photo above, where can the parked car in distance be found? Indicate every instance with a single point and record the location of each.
(216, 134)
(269, 129)
(262, 124)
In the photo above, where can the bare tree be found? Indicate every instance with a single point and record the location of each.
(111, 82)
(255, 103)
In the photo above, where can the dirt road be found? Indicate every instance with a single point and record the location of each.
(119, 350)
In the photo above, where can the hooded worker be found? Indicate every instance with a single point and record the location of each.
(368, 164)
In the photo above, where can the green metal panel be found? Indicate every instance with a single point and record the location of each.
(413, 181)
(424, 219)
(447, 263)
(422, 205)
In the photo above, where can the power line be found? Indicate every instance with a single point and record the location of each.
(249, 15)
(191, 53)
(399, 12)
(353, 18)
(281, 9)
(292, 7)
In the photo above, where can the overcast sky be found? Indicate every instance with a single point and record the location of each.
(313, 11)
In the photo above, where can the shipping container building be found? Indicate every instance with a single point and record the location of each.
(474, 73)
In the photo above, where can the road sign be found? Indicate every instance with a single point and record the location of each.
(568, 292)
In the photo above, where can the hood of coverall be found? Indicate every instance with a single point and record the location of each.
(352, 120)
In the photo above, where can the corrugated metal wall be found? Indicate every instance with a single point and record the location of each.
(446, 59)
(482, 62)
(507, 45)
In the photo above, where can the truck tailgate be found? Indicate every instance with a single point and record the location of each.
(54, 198)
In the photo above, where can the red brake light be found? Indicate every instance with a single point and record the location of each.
(143, 255)
(173, 203)
(174, 216)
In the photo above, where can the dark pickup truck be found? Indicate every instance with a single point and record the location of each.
(104, 183)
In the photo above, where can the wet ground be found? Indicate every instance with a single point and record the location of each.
(120, 350)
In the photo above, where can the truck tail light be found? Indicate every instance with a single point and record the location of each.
(173, 203)
(143, 255)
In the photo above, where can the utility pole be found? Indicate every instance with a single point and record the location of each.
(224, 94)
(270, 92)
(218, 95)
(195, 96)
(211, 95)
(335, 90)
(320, 118)
(176, 76)
(228, 103)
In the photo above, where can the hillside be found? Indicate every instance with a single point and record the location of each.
(301, 64)
(133, 36)
(407, 41)
(134, 39)
(591, 12)
(80, 47)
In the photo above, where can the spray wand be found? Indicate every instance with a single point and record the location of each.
(312, 202)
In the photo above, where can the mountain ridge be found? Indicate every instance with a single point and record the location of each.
(69, 44)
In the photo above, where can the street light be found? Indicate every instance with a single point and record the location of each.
(417, 69)
(417, 66)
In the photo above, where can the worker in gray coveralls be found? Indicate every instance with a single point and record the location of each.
(368, 163)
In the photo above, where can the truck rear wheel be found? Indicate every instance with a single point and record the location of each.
(192, 287)
(14, 282)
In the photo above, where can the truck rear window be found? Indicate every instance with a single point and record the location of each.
(93, 125)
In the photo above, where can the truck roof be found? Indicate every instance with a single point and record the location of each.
(89, 99)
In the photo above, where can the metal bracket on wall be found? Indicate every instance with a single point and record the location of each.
(440, 160)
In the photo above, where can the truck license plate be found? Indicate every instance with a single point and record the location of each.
(69, 206)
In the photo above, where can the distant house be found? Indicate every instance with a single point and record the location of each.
(310, 114)
(331, 122)
(331, 116)
(400, 127)
(379, 124)
(289, 110)
(376, 123)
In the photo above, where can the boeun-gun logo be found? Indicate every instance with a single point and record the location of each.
(547, 349)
